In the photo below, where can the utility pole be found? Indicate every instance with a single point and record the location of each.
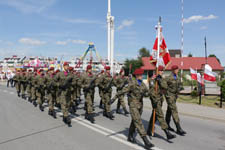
(182, 37)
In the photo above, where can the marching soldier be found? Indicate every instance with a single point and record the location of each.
(51, 92)
(41, 85)
(34, 82)
(29, 76)
(100, 91)
(157, 102)
(88, 85)
(106, 82)
(174, 87)
(23, 83)
(58, 104)
(64, 84)
(136, 90)
(72, 106)
(120, 82)
(16, 79)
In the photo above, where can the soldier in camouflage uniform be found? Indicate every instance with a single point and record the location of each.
(88, 85)
(41, 85)
(29, 76)
(106, 83)
(100, 91)
(51, 92)
(34, 82)
(58, 104)
(157, 102)
(64, 80)
(16, 79)
(120, 82)
(72, 105)
(136, 90)
(23, 83)
(78, 94)
(174, 87)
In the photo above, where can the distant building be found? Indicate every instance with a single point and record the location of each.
(188, 62)
(175, 53)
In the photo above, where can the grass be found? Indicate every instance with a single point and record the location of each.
(210, 101)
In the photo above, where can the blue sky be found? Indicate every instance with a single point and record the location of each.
(64, 27)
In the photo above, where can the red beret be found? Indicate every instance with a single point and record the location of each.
(41, 70)
(174, 67)
(52, 68)
(89, 67)
(107, 68)
(66, 64)
(138, 72)
(70, 68)
(102, 71)
(57, 71)
(121, 71)
(160, 68)
(30, 70)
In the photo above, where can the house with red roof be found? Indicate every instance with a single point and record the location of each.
(188, 62)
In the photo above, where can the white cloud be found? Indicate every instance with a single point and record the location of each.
(78, 41)
(126, 23)
(29, 6)
(30, 41)
(204, 28)
(66, 42)
(199, 18)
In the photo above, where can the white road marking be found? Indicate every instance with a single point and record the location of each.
(11, 93)
(109, 133)
(5, 91)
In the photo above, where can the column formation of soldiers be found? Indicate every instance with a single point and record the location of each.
(62, 90)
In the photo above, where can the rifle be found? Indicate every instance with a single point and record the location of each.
(91, 85)
(124, 84)
(108, 86)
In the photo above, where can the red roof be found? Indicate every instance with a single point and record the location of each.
(188, 62)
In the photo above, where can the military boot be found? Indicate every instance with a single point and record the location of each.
(169, 127)
(169, 135)
(110, 116)
(18, 94)
(35, 103)
(41, 107)
(131, 137)
(148, 144)
(180, 131)
(54, 114)
(91, 118)
(50, 112)
(118, 110)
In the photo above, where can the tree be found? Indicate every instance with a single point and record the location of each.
(136, 63)
(213, 55)
(190, 55)
(143, 52)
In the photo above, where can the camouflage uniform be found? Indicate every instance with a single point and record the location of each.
(17, 78)
(41, 86)
(135, 92)
(34, 82)
(64, 80)
(23, 84)
(105, 83)
(120, 82)
(29, 76)
(157, 102)
(174, 87)
(87, 78)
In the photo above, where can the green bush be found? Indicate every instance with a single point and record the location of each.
(222, 84)
(194, 94)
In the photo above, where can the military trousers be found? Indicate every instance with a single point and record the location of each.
(40, 96)
(23, 88)
(172, 108)
(105, 100)
(65, 100)
(136, 122)
(89, 96)
(33, 93)
(159, 115)
(18, 87)
(51, 100)
(121, 102)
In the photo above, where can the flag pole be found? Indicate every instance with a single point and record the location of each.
(157, 69)
(206, 56)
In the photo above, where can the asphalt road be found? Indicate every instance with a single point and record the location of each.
(23, 127)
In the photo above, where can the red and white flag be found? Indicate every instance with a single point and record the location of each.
(193, 74)
(208, 74)
(196, 76)
(164, 56)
